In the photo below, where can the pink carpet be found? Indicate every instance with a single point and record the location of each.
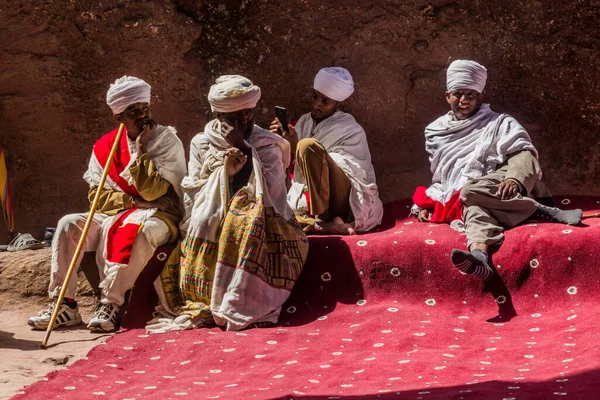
(383, 315)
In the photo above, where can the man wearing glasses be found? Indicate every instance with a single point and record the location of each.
(485, 172)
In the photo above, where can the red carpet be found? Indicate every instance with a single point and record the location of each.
(383, 315)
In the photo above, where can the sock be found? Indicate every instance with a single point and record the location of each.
(473, 263)
(567, 217)
(72, 303)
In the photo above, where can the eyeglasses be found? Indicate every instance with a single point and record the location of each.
(469, 95)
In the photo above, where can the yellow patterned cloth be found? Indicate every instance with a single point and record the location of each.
(253, 240)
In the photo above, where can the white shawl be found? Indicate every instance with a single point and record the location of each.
(205, 188)
(206, 199)
(461, 150)
(346, 143)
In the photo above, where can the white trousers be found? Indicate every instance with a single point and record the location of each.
(114, 281)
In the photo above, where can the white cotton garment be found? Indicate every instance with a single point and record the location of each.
(233, 93)
(346, 143)
(466, 74)
(125, 91)
(461, 150)
(335, 83)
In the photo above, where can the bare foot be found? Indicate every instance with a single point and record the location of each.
(336, 226)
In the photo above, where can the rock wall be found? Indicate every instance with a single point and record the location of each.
(57, 59)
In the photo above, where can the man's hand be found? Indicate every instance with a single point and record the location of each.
(424, 216)
(291, 136)
(162, 203)
(234, 161)
(232, 132)
(507, 189)
(144, 137)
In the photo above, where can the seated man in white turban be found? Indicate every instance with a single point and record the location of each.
(485, 171)
(139, 208)
(242, 249)
(333, 188)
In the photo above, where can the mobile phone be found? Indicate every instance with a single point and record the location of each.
(281, 115)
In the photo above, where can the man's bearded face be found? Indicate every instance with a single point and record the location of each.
(135, 117)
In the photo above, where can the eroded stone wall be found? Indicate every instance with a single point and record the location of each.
(57, 59)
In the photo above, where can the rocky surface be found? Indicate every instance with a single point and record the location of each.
(57, 59)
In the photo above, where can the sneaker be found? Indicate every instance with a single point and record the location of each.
(67, 316)
(105, 318)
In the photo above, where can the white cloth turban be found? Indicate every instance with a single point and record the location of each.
(233, 93)
(466, 74)
(126, 91)
(335, 83)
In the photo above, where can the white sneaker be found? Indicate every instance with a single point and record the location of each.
(105, 318)
(67, 316)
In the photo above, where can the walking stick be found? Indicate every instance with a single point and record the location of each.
(86, 227)
(590, 215)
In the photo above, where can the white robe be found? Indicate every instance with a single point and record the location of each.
(346, 143)
(167, 153)
(461, 150)
(238, 298)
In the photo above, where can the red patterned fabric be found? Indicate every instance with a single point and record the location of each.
(121, 160)
(442, 213)
(382, 315)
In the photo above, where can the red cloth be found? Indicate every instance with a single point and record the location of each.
(121, 237)
(382, 315)
(442, 213)
(120, 161)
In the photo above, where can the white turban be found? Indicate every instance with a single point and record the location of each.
(466, 74)
(126, 91)
(335, 83)
(233, 93)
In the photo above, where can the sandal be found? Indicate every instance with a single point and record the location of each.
(24, 242)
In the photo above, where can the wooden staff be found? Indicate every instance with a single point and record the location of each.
(590, 215)
(90, 217)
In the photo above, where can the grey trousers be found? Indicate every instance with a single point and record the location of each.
(486, 216)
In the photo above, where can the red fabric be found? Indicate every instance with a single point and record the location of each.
(382, 315)
(442, 213)
(120, 161)
(121, 237)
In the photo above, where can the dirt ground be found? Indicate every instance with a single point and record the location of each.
(23, 285)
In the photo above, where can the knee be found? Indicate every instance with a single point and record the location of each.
(69, 224)
(309, 147)
(155, 231)
(467, 194)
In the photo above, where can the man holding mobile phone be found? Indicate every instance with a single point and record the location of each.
(333, 189)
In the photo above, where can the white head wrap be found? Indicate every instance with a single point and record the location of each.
(335, 83)
(233, 93)
(466, 74)
(125, 91)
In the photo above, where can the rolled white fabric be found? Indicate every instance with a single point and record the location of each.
(466, 74)
(233, 93)
(125, 91)
(335, 83)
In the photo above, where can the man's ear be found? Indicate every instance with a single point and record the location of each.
(341, 104)
(448, 95)
(117, 117)
(480, 97)
(218, 115)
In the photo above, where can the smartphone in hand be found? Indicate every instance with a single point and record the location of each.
(281, 115)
